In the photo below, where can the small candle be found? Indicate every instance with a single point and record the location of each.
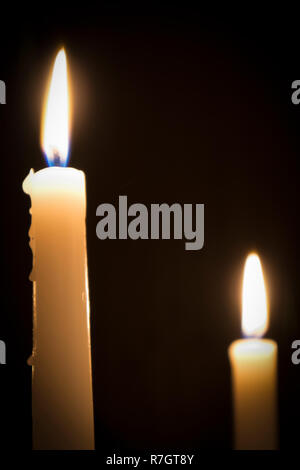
(62, 402)
(254, 368)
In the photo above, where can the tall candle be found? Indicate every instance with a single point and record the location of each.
(62, 401)
(254, 368)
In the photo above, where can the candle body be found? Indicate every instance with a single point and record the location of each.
(62, 404)
(254, 383)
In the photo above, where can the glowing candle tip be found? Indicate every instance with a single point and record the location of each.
(55, 126)
(254, 299)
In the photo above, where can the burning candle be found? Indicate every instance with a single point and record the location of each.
(62, 401)
(254, 368)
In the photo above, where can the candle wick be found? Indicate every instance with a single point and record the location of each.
(56, 159)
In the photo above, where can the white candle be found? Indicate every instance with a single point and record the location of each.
(62, 402)
(254, 369)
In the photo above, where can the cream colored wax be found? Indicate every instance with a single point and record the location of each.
(254, 384)
(62, 401)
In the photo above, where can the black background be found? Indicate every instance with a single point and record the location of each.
(171, 104)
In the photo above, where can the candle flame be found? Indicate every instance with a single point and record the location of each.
(254, 302)
(55, 126)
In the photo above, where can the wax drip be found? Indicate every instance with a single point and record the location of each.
(31, 233)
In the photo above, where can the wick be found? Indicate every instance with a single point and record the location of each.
(56, 159)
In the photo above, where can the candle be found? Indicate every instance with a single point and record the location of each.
(254, 368)
(62, 406)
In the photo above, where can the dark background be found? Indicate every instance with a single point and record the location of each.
(171, 104)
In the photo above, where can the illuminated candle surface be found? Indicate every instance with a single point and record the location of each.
(254, 368)
(62, 402)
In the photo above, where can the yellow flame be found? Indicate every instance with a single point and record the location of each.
(254, 303)
(55, 126)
